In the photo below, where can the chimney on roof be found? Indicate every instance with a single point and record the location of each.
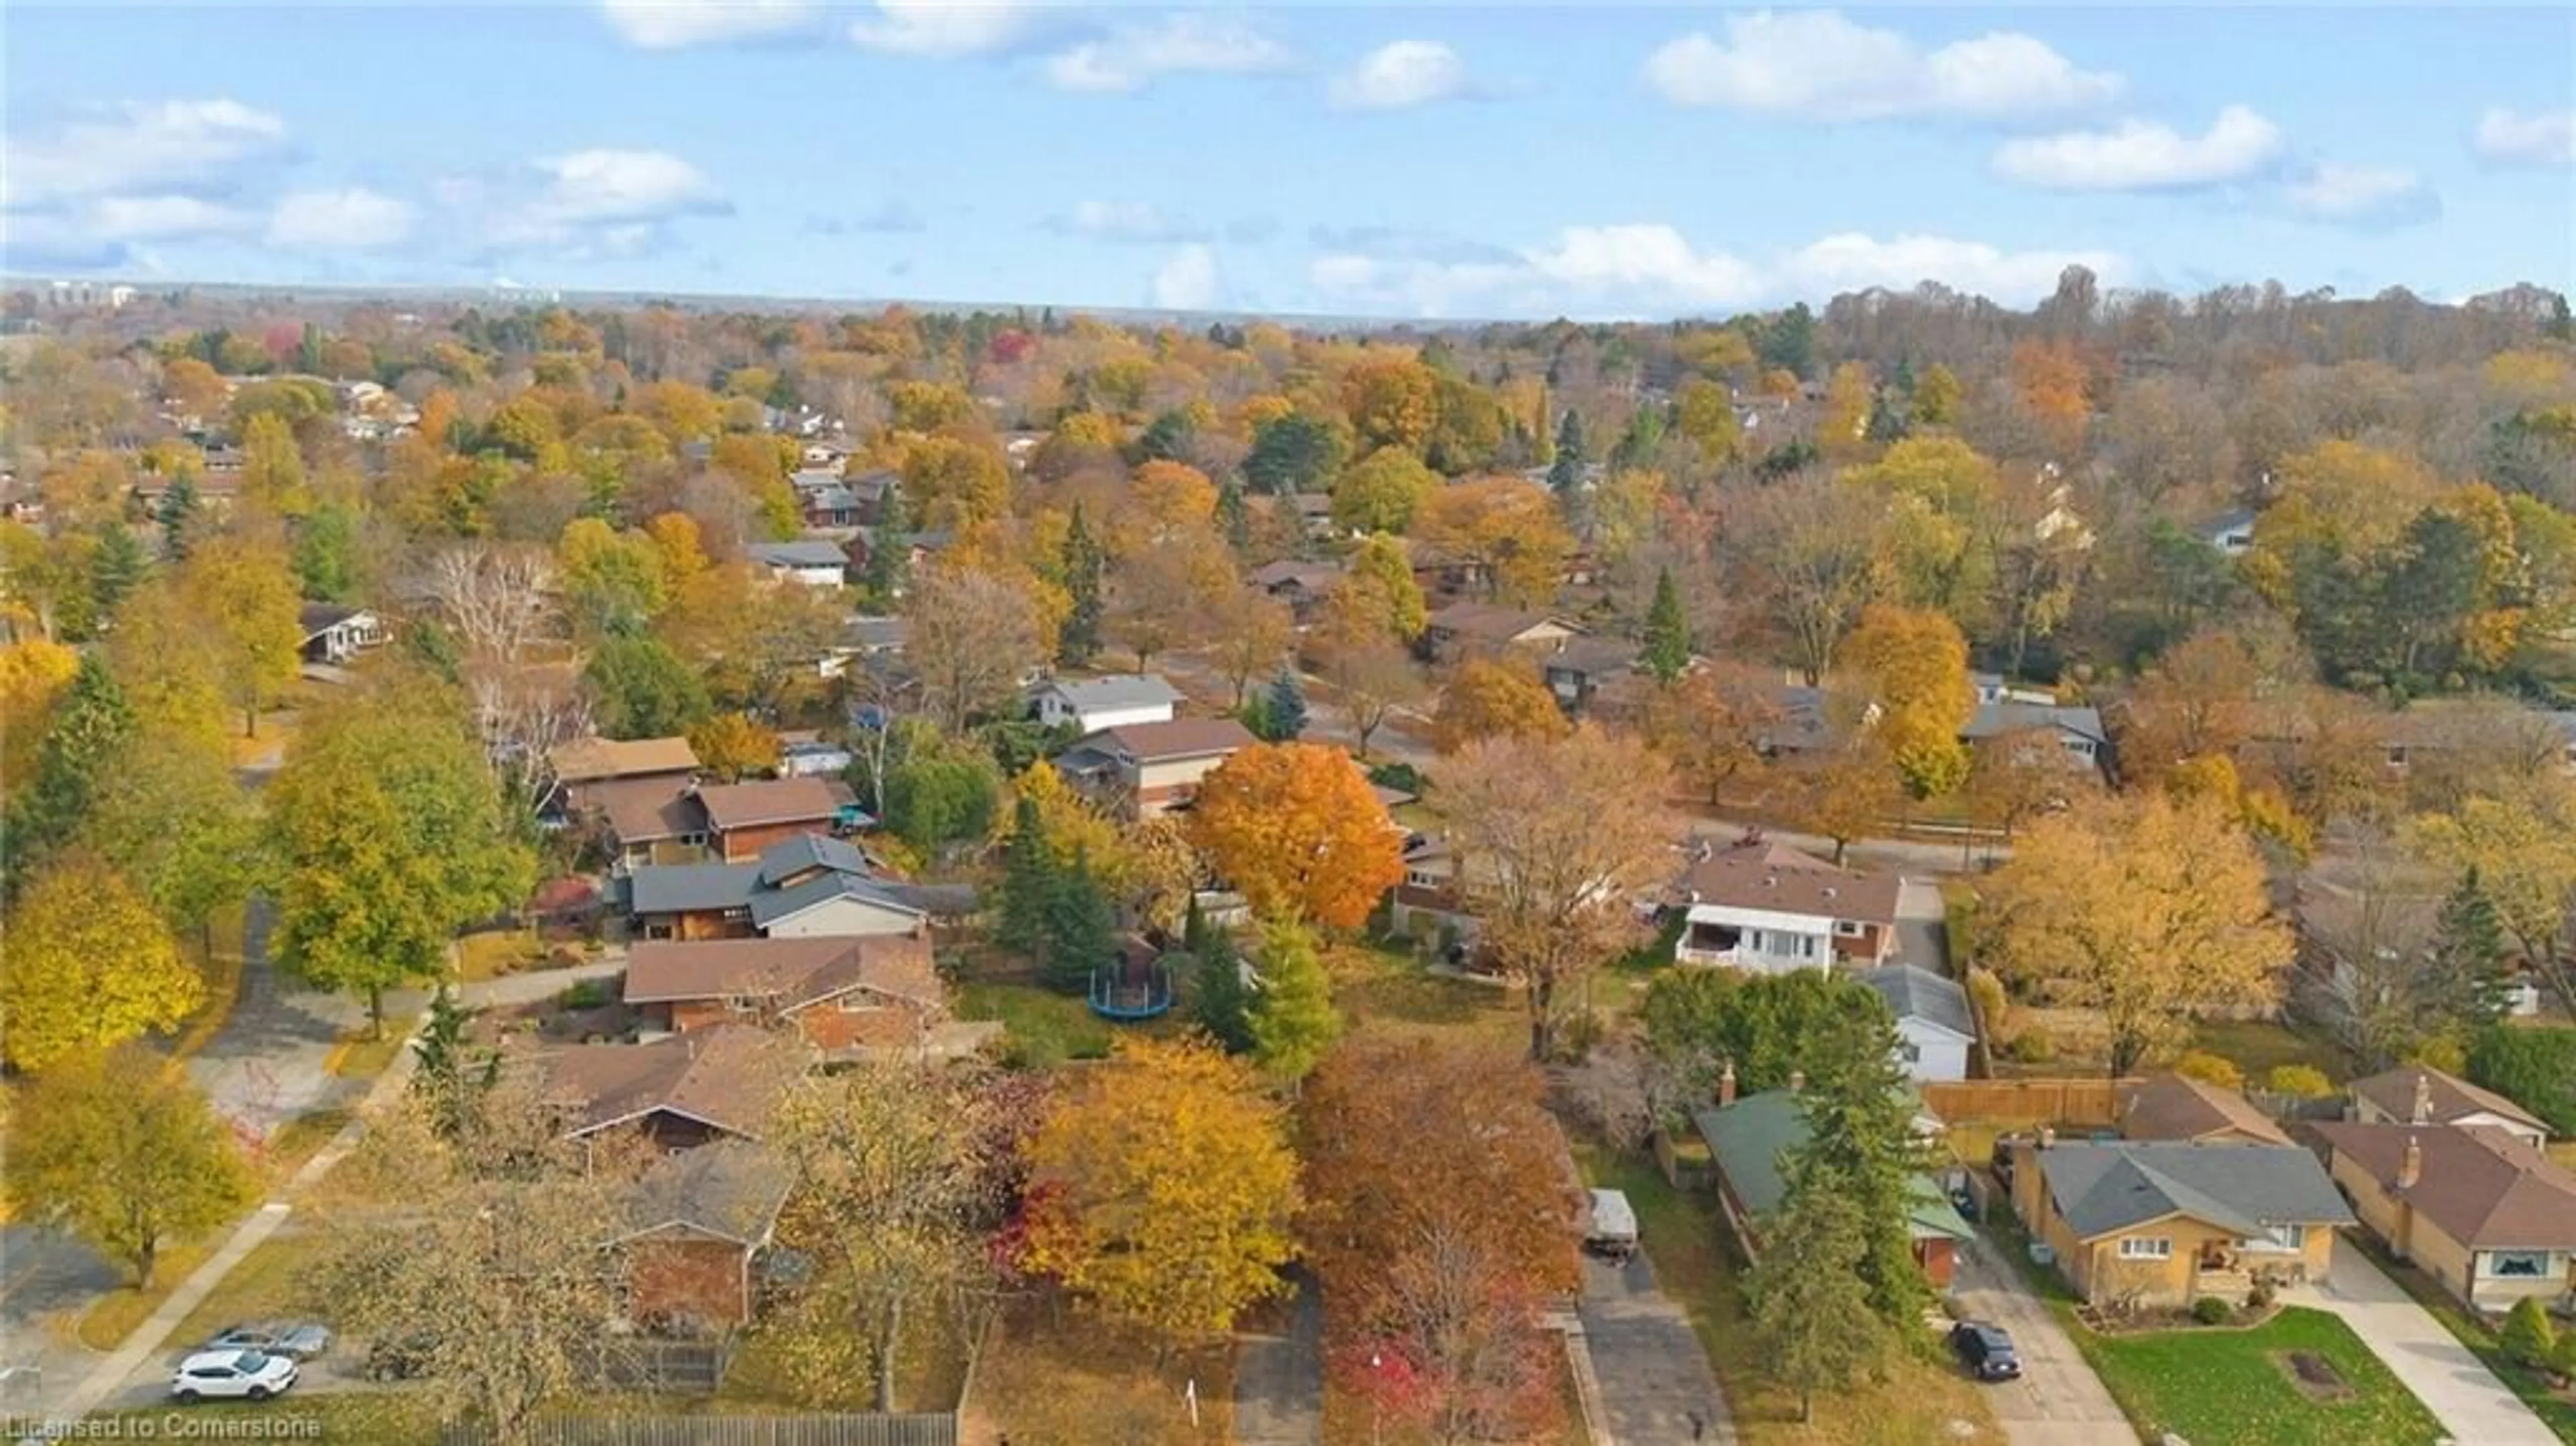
(1797, 1080)
(2410, 1166)
(1726, 1084)
(2423, 1111)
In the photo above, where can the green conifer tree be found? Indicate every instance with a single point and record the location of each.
(1668, 640)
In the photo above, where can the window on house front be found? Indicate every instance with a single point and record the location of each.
(2290, 1238)
(2146, 1247)
(1847, 929)
(1909, 1051)
(859, 1002)
(739, 1003)
(2518, 1264)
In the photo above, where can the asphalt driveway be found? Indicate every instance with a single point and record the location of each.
(2058, 1401)
(1656, 1386)
(2454, 1385)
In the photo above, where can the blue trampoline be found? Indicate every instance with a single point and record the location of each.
(1132, 989)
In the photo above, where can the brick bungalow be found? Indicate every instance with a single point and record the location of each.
(2179, 1108)
(2481, 1210)
(697, 1225)
(688, 1090)
(2164, 1223)
(1146, 770)
(2416, 1095)
(840, 994)
(745, 818)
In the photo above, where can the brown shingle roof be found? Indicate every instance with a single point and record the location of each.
(2451, 1098)
(792, 972)
(641, 810)
(777, 800)
(726, 1077)
(2177, 1107)
(593, 759)
(1489, 622)
(2480, 1186)
(1178, 738)
(1813, 888)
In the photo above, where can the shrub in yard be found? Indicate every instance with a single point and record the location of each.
(2534, 1068)
(2209, 1068)
(585, 994)
(1994, 1009)
(2210, 1310)
(2528, 1338)
(2032, 1045)
(2261, 1296)
(2305, 1081)
(2562, 1360)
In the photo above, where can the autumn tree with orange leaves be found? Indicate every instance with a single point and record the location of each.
(1297, 829)
(1495, 698)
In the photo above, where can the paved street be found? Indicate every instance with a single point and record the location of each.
(2058, 1401)
(2454, 1385)
(44, 1275)
(1656, 1386)
(1279, 1380)
(270, 1062)
(1922, 926)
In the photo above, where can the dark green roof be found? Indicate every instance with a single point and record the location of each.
(1750, 1138)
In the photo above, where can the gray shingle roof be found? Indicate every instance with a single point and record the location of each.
(690, 888)
(768, 906)
(1135, 690)
(1921, 994)
(1995, 719)
(806, 851)
(798, 554)
(2104, 1188)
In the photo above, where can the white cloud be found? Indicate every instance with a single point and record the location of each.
(675, 24)
(1650, 270)
(1131, 56)
(1819, 65)
(2140, 155)
(583, 205)
(178, 146)
(161, 218)
(589, 187)
(1186, 281)
(1402, 73)
(1135, 221)
(355, 219)
(2361, 195)
(944, 29)
(2541, 138)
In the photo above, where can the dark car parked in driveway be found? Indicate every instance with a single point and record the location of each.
(1986, 1351)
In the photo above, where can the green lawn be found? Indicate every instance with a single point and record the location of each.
(2232, 1388)
(1685, 1238)
(2258, 1046)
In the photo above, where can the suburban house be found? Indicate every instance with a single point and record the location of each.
(2423, 730)
(681, 1092)
(827, 505)
(1747, 1139)
(1303, 586)
(744, 819)
(806, 753)
(2231, 532)
(815, 562)
(1579, 672)
(866, 641)
(2181, 1110)
(841, 993)
(1434, 896)
(1093, 704)
(1146, 770)
(1935, 1028)
(2480, 1210)
(803, 886)
(2077, 732)
(2154, 1222)
(1770, 908)
(697, 1228)
(2415, 1095)
(1314, 513)
(582, 767)
(1464, 629)
(334, 634)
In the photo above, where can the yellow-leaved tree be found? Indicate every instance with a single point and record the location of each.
(90, 964)
(1496, 698)
(1297, 829)
(1917, 665)
(2148, 909)
(1162, 1190)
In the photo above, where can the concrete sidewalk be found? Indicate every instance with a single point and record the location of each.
(2454, 1385)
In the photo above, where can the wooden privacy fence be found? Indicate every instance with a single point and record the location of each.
(2028, 1102)
(926, 1429)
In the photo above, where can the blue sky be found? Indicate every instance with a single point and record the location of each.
(1454, 161)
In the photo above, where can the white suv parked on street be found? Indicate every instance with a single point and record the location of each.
(224, 1375)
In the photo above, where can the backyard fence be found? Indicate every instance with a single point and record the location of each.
(682, 1368)
(928, 1429)
(2028, 1102)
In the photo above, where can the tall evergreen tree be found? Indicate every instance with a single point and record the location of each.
(1079, 640)
(1565, 474)
(1028, 885)
(90, 727)
(1287, 713)
(116, 569)
(2469, 954)
(1860, 1147)
(1637, 445)
(451, 1071)
(1668, 640)
(1217, 999)
(177, 518)
(1292, 1021)
(1082, 928)
(889, 549)
(1233, 518)
(1811, 1306)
